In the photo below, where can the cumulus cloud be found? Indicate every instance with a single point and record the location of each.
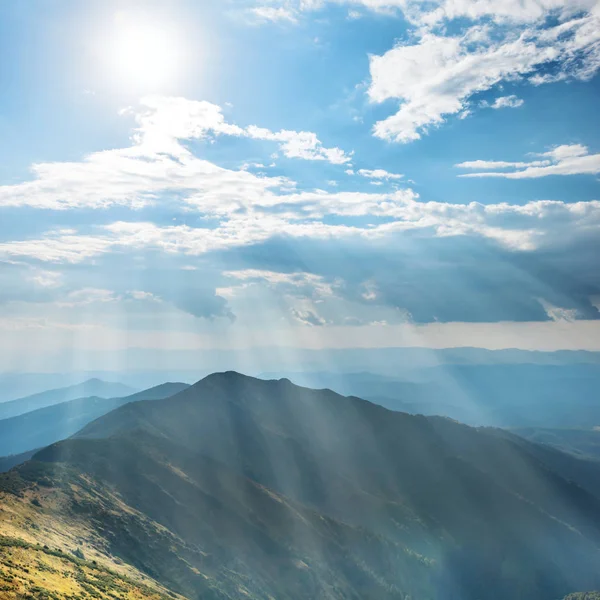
(507, 11)
(158, 163)
(298, 283)
(438, 75)
(299, 144)
(421, 277)
(573, 159)
(507, 102)
(556, 313)
(379, 174)
(518, 227)
(308, 317)
(274, 14)
(434, 12)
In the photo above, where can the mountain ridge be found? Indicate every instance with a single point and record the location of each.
(305, 493)
(49, 424)
(90, 387)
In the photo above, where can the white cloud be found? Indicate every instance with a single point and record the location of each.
(507, 102)
(299, 144)
(141, 295)
(558, 314)
(308, 317)
(170, 119)
(518, 227)
(316, 283)
(434, 12)
(86, 296)
(379, 174)
(437, 76)
(274, 14)
(499, 164)
(511, 11)
(57, 247)
(157, 163)
(47, 279)
(571, 159)
(566, 151)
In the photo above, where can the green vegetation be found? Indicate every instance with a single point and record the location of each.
(37, 572)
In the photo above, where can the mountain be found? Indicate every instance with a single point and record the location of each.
(19, 385)
(580, 442)
(47, 425)
(243, 488)
(37, 571)
(12, 460)
(91, 387)
(498, 395)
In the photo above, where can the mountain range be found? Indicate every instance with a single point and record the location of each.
(91, 387)
(50, 424)
(499, 395)
(184, 365)
(243, 488)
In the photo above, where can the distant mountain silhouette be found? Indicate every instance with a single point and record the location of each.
(12, 460)
(91, 387)
(47, 425)
(243, 488)
(501, 395)
(579, 442)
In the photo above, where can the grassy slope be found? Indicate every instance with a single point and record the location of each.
(233, 544)
(46, 552)
(35, 571)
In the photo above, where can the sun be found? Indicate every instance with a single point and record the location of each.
(143, 55)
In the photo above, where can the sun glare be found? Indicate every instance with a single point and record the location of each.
(143, 55)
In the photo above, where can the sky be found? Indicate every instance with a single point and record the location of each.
(244, 174)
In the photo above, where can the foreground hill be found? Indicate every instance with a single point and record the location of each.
(92, 387)
(242, 488)
(29, 571)
(47, 425)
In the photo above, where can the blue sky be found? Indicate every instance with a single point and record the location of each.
(298, 173)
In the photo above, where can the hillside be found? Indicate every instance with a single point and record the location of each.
(12, 460)
(242, 488)
(36, 571)
(44, 556)
(47, 425)
(91, 387)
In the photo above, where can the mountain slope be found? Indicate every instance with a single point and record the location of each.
(501, 395)
(579, 442)
(91, 387)
(47, 425)
(204, 530)
(37, 571)
(13, 460)
(238, 487)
